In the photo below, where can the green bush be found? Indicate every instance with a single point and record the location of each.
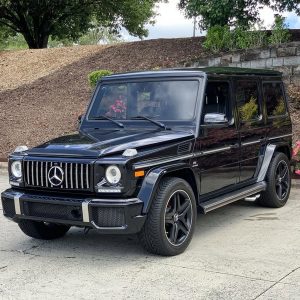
(95, 76)
(280, 32)
(216, 38)
(245, 39)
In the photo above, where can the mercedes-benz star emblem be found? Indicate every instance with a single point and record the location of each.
(56, 176)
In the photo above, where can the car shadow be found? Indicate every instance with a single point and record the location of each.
(77, 244)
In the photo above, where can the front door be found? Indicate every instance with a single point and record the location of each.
(218, 145)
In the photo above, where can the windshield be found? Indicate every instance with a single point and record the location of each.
(160, 100)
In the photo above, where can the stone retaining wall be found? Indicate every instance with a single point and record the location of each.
(285, 58)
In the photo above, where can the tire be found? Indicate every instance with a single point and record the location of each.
(278, 182)
(171, 220)
(43, 231)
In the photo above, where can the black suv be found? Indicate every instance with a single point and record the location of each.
(151, 149)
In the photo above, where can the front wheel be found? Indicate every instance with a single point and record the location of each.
(278, 182)
(42, 230)
(171, 220)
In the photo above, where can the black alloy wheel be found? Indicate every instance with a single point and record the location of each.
(178, 217)
(282, 180)
(171, 219)
(278, 181)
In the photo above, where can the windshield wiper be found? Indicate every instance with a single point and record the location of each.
(159, 124)
(102, 117)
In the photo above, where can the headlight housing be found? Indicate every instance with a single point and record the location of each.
(16, 169)
(113, 175)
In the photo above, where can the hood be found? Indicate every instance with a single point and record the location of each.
(99, 142)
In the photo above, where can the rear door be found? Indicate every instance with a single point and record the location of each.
(251, 125)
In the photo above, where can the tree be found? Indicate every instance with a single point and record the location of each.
(37, 20)
(232, 12)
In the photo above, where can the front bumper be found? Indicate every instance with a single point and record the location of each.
(106, 215)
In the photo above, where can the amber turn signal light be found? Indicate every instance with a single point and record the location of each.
(139, 173)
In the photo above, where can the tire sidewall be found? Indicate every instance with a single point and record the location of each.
(175, 185)
(272, 179)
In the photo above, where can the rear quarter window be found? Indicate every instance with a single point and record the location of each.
(274, 98)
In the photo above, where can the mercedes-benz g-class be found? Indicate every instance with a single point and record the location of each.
(151, 149)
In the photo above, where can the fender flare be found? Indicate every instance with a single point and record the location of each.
(152, 179)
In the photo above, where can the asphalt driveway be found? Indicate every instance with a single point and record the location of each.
(238, 252)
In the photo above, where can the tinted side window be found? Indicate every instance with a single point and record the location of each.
(217, 98)
(247, 100)
(274, 97)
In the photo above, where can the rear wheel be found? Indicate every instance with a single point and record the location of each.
(278, 182)
(171, 220)
(42, 230)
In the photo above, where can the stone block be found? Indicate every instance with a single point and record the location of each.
(296, 70)
(287, 51)
(269, 63)
(265, 53)
(258, 64)
(233, 65)
(212, 62)
(291, 61)
(277, 62)
(236, 58)
(246, 64)
(273, 52)
(295, 80)
(226, 60)
(252, 54)
(203, 62)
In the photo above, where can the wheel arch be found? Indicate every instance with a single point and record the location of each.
(154, 176)
(285, 149)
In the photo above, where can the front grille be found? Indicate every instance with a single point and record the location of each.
(52, 211)
(108, 216)
(8, 207)
(75, 176)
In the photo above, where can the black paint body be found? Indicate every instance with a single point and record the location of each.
(214, 159)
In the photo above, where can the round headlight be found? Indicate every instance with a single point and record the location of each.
(16, 169)
(113, 174)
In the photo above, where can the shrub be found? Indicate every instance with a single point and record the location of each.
(216, 38)
(280, 32)
(95, 76)
(249, 110)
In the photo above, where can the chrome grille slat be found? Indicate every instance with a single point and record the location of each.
(76, 175)
(87, 177)
(32, 172)
(37, 172)
(71, 171)
(42, 178)
(81, 173)
(66, 173)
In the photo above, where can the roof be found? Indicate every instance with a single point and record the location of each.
(185, 72)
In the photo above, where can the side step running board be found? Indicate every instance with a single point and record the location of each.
(232, 197)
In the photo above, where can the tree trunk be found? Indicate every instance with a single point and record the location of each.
(36, 43)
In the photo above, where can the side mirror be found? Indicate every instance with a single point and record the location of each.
(215, 118)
